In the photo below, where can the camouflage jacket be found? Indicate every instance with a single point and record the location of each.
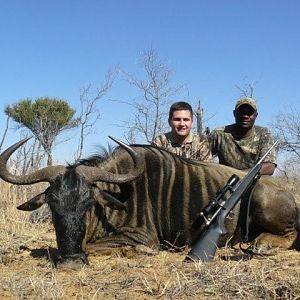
(244, 153)
(195, 147)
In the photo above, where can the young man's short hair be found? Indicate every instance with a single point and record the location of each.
(181, 105)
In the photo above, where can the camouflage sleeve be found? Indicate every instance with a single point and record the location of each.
(204, 149)
(266, 142)
(206, 153)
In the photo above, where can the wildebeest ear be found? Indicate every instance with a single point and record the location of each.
(109, 200)
(33, 203)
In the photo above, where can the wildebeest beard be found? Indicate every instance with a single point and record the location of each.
(69, 199)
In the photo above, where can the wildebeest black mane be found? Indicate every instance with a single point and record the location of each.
(181, 158)
(106, 153)
(97, 158)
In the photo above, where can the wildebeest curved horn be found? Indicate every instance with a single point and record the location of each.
(99, 174)
(47, 174)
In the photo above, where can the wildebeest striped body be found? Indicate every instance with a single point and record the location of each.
(167, 198)
(147, 196)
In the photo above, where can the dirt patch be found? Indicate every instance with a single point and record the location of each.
(27, 272)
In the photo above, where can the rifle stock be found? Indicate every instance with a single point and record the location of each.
(205, 247)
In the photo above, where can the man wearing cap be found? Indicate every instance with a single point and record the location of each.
(181, 140)
(242, 144)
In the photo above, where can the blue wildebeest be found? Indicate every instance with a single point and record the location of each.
(145, 196)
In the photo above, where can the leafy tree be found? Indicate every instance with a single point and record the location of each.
(45, 117)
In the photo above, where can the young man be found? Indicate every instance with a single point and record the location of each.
(242, 144)
(180, 139)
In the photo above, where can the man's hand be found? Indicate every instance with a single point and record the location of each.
(266, 169)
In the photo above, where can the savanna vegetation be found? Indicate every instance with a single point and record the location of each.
(27, 240)
(28, 246)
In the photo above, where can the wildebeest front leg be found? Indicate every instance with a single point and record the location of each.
(128, 237)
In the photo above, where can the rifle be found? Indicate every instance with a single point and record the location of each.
(217, 210)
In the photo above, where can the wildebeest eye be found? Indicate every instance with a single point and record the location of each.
(54, 197)
(86, 194)
(86, 204)
(51, 195)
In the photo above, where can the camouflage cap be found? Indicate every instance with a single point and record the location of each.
(248, 101)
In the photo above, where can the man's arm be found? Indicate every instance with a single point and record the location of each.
(268, 167)
(201, 148)
(213, 142)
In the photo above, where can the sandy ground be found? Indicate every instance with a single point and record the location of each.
(27, 272)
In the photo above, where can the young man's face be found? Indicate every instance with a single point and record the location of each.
(181, 123)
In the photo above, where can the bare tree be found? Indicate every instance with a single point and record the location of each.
(247, 89)
(155, 95)
(286, 128)
(30, 156)
(5, 132)
(89, 113)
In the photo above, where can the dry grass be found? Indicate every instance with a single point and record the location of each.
(27, 271)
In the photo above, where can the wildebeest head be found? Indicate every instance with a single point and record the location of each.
(71, 195)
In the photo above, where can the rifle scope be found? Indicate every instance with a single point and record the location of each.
(215, 203)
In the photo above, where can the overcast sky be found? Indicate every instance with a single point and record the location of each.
(54, 48)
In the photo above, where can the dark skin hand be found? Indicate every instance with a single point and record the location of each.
(266, 169)
(245, 117)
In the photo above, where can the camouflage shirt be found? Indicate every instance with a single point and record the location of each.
(244, 153)
(195, 147)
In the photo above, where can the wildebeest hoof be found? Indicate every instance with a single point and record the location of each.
(74, 262)
(263, 250)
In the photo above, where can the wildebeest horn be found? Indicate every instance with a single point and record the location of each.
(47, 174)
(99, 174)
